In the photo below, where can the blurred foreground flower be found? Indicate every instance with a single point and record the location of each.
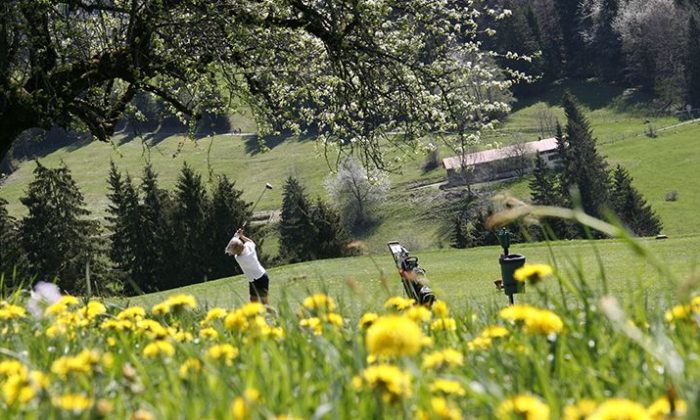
(535, 320)
(43, 294)
(75, 403)
(389, 381)
(394, 336)
(443, 358)
(619, 409)
(525, 407)
(532, 273)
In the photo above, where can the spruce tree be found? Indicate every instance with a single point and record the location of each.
(693, 63)
(191, 207)
(228, 212)
(116, 209)
(156, 250)
(295, 223)
(583, 167)
(330, 237)
(632, 209)
(13, 260)
(55, 232)
(459, 235)
(606, 46)
(543, 189)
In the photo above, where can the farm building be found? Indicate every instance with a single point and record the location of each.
(506, 162)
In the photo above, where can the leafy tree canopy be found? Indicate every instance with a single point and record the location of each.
(354, 70)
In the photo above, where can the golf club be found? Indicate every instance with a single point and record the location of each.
(268, 186)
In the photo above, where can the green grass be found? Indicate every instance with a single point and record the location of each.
(463, 278)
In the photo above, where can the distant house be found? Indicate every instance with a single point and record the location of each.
(506, 162)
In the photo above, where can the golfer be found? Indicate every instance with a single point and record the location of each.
(243, 249)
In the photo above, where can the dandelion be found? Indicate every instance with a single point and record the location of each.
(367, 320)
(440, 309)
(543, 322)
(189, 367)
(524, 407)
(444, 324)
(661, 409)
(252, 309)
(12, 367)
(418, 314)
(117, 325)
(580, 411)
(241, 407)
(62, 305)
(394, 336)
(17, 389)
(320, 302)
(153, 329)
(313, 323)
(213, 315)
(92, 310)
(678, 312)
(447, 387)
(208, 333)
(9, 311)
(76, 403)
(398, 303)
(444, 410)
(222, 352)
(133, 313)
(479, 343)
(494, 332)
(532, 273)
(175, 303)
(390, 381)
(158, 348)
(620, 409)
(82, 363)
(443, 358)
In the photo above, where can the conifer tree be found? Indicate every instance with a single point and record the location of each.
(583, 167)
(295, 226)
(156, 250)
(13, 260)
(543, 188)
(116, 209)
(632, 209)
(693, 63)
(228, 212)
(330, 237)
(191, 207)
(459, 237)
(55, 232)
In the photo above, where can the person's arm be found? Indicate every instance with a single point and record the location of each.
(242, 237)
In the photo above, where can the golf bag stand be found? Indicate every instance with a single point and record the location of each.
(412, 275)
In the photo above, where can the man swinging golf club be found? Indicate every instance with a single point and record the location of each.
(243, 249)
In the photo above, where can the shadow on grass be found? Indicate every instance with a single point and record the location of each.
(592, 93)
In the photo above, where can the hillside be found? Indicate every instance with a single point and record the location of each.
(661, 165)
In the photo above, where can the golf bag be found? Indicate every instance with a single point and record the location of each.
(412, 275)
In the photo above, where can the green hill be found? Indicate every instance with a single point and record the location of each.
(660, 165)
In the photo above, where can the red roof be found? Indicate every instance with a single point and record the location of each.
(492, 155)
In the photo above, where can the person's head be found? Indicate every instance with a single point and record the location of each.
(234, 247)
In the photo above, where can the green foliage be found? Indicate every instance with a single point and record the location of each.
(295, 227)
(634, 211)
(330, 238)
(13, 259)
(55, 233)
(693, 63)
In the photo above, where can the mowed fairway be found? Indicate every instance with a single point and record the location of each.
(464, 278)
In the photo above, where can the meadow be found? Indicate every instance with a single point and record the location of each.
(354, 349)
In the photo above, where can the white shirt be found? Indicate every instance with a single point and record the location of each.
(248, 260)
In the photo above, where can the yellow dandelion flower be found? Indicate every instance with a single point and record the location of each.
(241, 407)
(444, 409)
(581, 410)
(61, 305)
(9, 311)
(532, 273)
(447, 387)
(495, 331)
(39, 379)
(620, 409)
(479, 343)
(182, 301)
(92, 310)
(394, 336)
(159, 348)
(12, 367)
(661, 409)
(367, 320)
(83, 363)
(236, 321)
(287, 417)
(313, 323)
(160, 308)
(440, 309)
(334, 319)
(76, 403)
(516, 313)
(695, 304)
(189, 367)
(151, 328)
(418, 314)
(390, 381)
(222, 352)
(398, 303)
(17, 389)
(111, 341)
(213, 315)
(678, 312)
(443, 358)
(208, 333)
(252, 309)
(117, 325)
(524, 407)
(543, 322)
(320, 302)
(444, 324)
(133, 313)
(179, 335)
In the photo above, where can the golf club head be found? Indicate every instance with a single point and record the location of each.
(268, 186)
